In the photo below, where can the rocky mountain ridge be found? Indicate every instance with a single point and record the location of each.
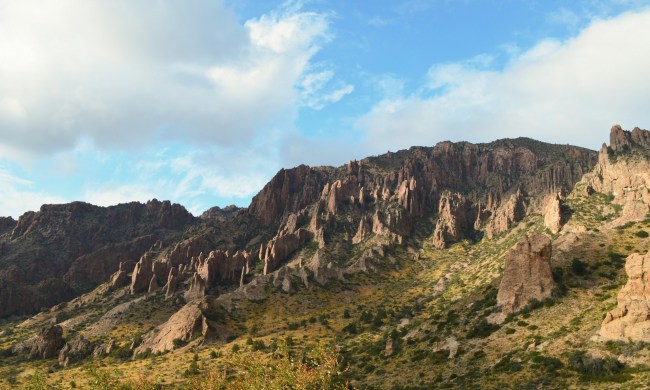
(480, 234)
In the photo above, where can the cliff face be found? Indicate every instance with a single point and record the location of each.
(289, 191)
(64, 250)
(491, 183)
(623, 169)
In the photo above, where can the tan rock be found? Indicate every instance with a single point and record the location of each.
(630, 320)
(513, 211)
(527, 273)
(172, 282)
(196, 289)
(553, 213)
(391, 347)
(153, 285)
(47, 343)
(142, 274)
(182, 325)
(453, 220)
(119, 279)
(362, 230)
(625, 175)
(74, 351)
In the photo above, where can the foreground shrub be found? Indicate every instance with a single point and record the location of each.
(319, 368)
(594, 367)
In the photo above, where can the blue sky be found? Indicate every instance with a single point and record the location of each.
(202, 101)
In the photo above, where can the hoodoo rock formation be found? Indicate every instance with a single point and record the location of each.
(527, 273)
(630, 320)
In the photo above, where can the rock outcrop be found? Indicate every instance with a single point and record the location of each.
(182, 326)
(454, 214)
(290, 190)
(630, 320)
(47, 343)
(511, 212)
(172, 282)
(74, 351)
(553, 213)
(623, 170)
(280, 248)
(142, 274)
(527, 273)
(7, 224)
(119, 279)
(627, 141)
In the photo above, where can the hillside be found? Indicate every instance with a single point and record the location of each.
(454, 266)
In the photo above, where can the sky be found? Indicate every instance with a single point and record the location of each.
(202, 101)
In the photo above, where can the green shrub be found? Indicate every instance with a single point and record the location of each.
(579, 267)
(547, 363)
(642, 234)
(594, 367)
(482, 329)
(179, 343)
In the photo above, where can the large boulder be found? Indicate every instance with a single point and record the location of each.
(527, 273)
(630, 320)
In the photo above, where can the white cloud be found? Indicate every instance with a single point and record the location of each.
(19, 195)
(559, 91)
(127, 73)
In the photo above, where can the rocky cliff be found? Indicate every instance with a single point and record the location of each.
(623, 170)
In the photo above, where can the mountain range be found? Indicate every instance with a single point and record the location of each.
(514, 263)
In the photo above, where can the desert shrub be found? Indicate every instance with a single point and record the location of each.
(579, 267)
(350, 328)
(546, 363)
(641, 234)
(482, 329)
(320, 369)
(178, 343)
(593, 366)
(37, 381)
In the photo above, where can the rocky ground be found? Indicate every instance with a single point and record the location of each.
(509, 264)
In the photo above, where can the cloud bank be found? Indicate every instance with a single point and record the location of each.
(557, 91)
(127, 73)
